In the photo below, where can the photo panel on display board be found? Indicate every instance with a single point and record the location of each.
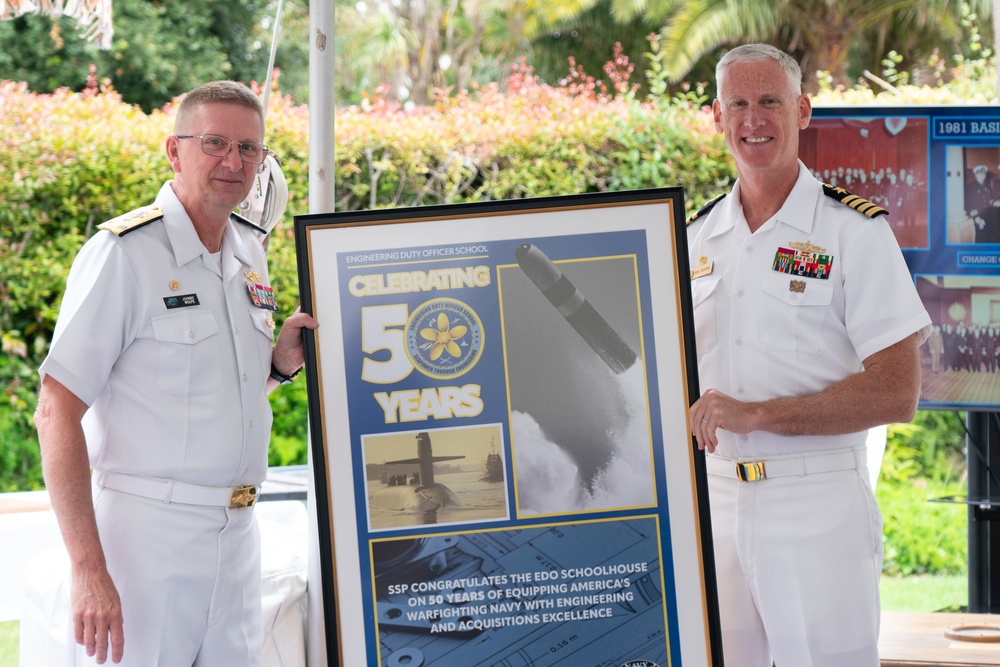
(936, 170)
(880, 158)
(498, 398)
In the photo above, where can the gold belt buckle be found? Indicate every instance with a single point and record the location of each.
(243, 496)
(751, 471)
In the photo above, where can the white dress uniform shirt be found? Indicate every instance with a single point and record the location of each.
(790, 310)
(764, 333)
(162, 341)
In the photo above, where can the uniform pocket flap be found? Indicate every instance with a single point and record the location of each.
(186, 327)
(702, 288)
(795, 291)
(263, 321)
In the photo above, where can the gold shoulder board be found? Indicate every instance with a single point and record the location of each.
(249, 223)
(124, 224)
(857, 203)
(705, 209)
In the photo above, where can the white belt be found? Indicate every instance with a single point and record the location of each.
(170, 491)
(787, 466)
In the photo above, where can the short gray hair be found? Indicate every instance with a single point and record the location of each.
(748, 53)
(218, 92)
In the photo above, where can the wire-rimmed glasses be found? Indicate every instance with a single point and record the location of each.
(217, 145)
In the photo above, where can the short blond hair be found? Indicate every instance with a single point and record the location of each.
(217, 92)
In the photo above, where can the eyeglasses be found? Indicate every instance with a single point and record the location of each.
(217, 145)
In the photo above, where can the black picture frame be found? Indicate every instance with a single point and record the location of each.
(555, 338)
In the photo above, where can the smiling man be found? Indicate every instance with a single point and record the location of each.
(157, 379)
(807, 328)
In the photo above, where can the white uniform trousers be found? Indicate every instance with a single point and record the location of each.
(798, 560)
(189, 581)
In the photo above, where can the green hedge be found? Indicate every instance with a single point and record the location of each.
(924, 461)
(71, 160)
(68, 161)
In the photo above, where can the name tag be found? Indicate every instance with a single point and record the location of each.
(181, 301)
(703, 269)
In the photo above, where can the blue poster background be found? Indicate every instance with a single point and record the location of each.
(597, 572)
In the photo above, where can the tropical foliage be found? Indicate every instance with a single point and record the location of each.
(417, 50)
(159, 49)
(840, 38)
(70, 160)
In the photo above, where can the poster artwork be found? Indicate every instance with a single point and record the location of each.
(498, 427)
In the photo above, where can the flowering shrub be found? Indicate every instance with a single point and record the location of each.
(69, 161)
(532, 140)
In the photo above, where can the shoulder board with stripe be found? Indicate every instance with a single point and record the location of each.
(859, 204)
(132, 220)
(246, 221)
(706, 208)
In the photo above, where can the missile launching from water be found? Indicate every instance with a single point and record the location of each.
(575, 308)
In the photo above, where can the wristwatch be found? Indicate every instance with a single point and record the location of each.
(283, 379)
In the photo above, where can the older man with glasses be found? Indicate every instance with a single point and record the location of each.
(157, 380)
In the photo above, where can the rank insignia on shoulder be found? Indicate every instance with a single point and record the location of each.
(132, 220)
(705, 209)
(859, 204)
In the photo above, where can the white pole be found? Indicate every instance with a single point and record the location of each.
(321, 200)
(270, 58)
(321, 106)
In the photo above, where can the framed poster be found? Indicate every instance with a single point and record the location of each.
(498, 397)
(936, 169)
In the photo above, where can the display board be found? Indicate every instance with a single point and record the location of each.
(936, 169)
(498, 399)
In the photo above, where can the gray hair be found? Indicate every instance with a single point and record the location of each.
(217, 92)
(748, 53)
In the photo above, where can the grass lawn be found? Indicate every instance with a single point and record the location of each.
(8, 643)
(924, 593)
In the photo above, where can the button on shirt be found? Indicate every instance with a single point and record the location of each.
(175, 393)
(767, 327)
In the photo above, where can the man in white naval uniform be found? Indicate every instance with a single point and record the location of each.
(157, 379)
(807, 329)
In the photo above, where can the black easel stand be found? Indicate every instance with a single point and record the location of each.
(982, 450)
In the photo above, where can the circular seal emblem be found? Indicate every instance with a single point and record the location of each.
(444, 338)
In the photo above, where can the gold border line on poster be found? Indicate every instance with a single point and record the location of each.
(695, 506)
(659, 554)
(641, 359)
(506, 382)
(663, 598)
(645, 375)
